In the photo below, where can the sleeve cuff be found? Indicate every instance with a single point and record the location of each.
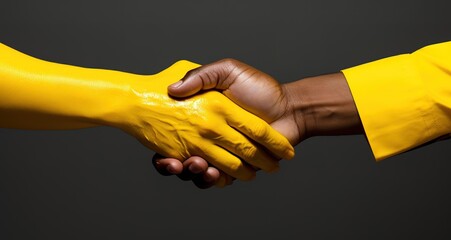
(393, 104)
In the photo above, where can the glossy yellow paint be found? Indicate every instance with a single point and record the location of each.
(37, 94)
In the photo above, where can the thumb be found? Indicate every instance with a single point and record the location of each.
(185, 87)
(211, 76)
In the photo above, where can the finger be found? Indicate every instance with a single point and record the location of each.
(211, 175)
(202, 184)
(248, 151)
(206, 77)
(192, 167)
(167, 166)
(259, 131)
(224, 180)
(225, 161)
(195, 165)
(207, 179)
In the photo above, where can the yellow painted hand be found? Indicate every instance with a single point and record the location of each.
(37, 94)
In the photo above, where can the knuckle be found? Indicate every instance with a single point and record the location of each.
(214, 100)
(190, 73)
(248, 151)
(208, 130)
(260, 130)
(207, 78)
(229, 61)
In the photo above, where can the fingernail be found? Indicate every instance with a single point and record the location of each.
(177, 84)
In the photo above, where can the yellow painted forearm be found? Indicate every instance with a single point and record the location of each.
(36, 94)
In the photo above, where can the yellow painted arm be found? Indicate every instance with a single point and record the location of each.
(404, 101)
(36, 94)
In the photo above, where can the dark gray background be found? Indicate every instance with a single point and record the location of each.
(99, 183)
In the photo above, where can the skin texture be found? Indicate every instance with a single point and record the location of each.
(309, 107)
(35, 95)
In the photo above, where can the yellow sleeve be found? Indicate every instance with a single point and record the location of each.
(404, 101)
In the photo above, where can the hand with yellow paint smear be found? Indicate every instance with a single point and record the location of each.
(321, 105)
(36, 94)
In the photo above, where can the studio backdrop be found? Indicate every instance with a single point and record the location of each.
(99, 183)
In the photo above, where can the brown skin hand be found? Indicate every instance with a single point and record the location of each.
(315, 106)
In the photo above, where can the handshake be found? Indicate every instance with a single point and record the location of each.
(220, 115)
(227, 120)
(221, 122)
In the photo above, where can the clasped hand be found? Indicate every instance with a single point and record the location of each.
(208, 125)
